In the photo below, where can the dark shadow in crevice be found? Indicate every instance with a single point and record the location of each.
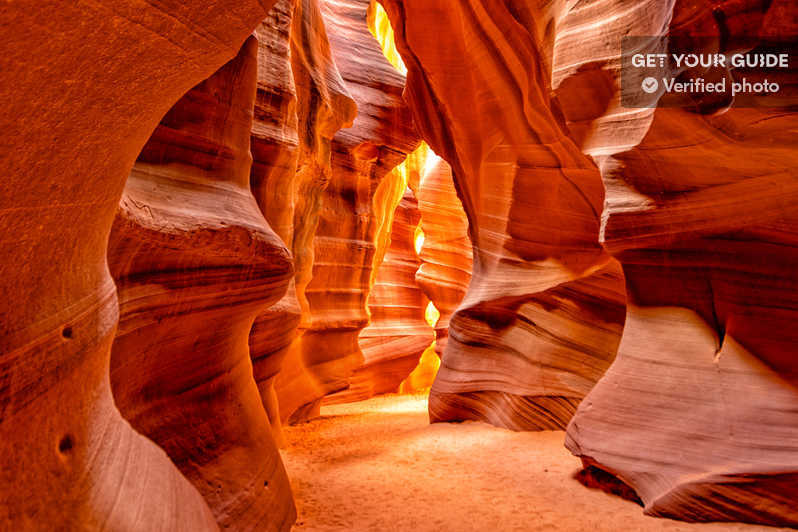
(595, 478)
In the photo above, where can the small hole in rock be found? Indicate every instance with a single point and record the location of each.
(67, 332)
(265, 483)
(66, 444)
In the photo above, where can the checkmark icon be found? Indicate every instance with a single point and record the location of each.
(650, 85)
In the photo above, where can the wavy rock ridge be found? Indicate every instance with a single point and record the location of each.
(542, 316)
(397, 333)
(301, 103)
(194, 262)
(446, 253)
(70, 445)
(699, 213)
(359, 195)
(190, 264)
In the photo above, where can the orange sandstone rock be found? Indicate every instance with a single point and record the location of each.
(543, 313)
(397, 333)
(352, 206)
(698, 412)
(84, 91)
(274, 179)
(302, 102)
(446, 253)
(195, 262)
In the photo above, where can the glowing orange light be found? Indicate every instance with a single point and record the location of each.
(408, 173)
(418, 239)
(380, 27)
(431, 314)
(421, 378)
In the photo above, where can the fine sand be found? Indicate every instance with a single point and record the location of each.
(379, 465)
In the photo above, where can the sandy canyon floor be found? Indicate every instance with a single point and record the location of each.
(379, 465)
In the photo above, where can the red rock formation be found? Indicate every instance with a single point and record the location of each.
(698, 413)
(275, 152)
(83, 93)
(323, 107)
(275, 131)
(397, 334)
(543, 313)
(301, 103)
(352, 205)
(446, 254)
(571, 331)
(195, 262)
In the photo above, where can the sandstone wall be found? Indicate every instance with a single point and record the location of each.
(701, 215)
(544, 310)
(359, 194)
(194, 262)
(397, 333)
(72, 131)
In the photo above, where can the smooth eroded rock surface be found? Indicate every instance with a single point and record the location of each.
(543, 313)
(85, 85)
(195, 261)
(397, 333)
(446, 253)
(697, 414)
(359, 195)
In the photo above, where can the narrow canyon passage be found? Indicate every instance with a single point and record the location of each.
(379, 465)
(397, 265)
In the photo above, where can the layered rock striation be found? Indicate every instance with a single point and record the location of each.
(446, 253)
(301, 103)
(73, 128)
(543, 313)
(267, 251)
(358, 198)
(194, 262)
(397, 333)
(697, 413)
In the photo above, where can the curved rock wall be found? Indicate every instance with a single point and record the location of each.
(553, 200)
(77, 127)
(446, 253)
(543, 314)
(194, 262)
(276, 147)
(397, 333)
(359, 194)
(302, 102)
(701, 215)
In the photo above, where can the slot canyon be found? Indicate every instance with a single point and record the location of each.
(401, 265)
